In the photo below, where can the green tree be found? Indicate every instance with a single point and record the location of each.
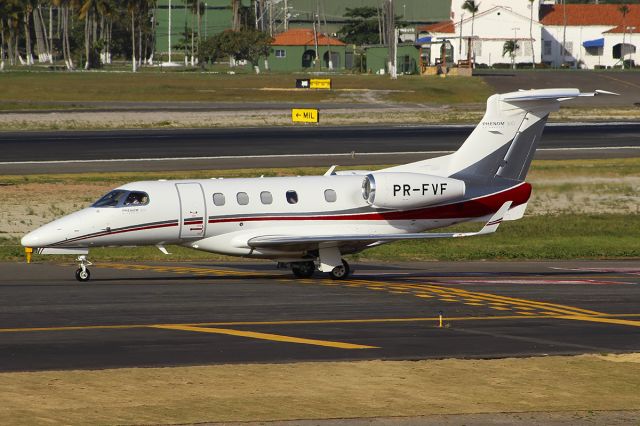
(90, 11)
(362, 27)
(249, 45)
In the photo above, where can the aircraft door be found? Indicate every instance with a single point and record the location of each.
(193, 212)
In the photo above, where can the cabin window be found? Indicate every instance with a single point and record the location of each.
(112, 199)
(218, 199)
(243, 198)
(292, 197)
(266, 197)
(330, 195)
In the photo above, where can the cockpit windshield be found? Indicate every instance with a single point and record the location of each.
(120, 198)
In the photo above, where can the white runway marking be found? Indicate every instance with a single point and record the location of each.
(238, 157)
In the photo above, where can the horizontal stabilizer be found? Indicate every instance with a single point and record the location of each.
(271, 241)
(548, 94)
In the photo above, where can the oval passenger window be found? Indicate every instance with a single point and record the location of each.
(330, 195)
(243, 198)
(292, 197)
(266, 197)
(218, 199)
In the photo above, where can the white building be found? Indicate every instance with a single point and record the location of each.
(594, 35)
(495, 23)
(597, 35)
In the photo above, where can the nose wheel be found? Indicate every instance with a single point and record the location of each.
(82, 273)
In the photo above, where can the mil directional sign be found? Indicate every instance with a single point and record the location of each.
(308, 115)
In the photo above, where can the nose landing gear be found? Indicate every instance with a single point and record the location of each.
(82, 273)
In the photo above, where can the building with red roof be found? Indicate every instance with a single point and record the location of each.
(305, 49)
(575, 35)
(596, 35)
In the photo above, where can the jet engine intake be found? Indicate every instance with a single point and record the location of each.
(409, 190)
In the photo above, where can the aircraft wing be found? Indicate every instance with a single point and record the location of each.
(271, 241)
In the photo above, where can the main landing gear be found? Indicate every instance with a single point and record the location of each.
(340, 272)
(303, 269)
(82, 273)
(307, 269)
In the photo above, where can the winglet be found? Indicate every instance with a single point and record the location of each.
(495, 221)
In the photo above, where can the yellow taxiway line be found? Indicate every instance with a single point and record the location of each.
(609, 318)
(265, 336)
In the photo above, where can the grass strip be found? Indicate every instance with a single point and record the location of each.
(44, 87)
(274, 392)
(563, 237)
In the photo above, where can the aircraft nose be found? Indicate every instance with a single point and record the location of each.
(32, 239)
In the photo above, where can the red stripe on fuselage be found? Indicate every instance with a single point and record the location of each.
(478, 207)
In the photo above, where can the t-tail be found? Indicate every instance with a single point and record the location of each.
(500, 149)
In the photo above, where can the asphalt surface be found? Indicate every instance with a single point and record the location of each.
(135, 314)
(126, 150)
(625, 83)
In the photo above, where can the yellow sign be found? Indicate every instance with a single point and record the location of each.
(304, 115)
(320, 83)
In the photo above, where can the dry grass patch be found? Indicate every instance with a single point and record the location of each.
(318, 390)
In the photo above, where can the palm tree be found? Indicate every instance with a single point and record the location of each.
(63, 16)
(43, 46)
(88, 12)
(510, 47)
(533, 55)
(624, 10)
(10, 13)
(471, 6)
(27, 11)
(133, 6)
(235, 6)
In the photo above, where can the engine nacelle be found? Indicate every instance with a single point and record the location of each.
(409, 190)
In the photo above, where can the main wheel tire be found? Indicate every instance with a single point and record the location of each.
(83, 276)
(303, 269)
(340, 272)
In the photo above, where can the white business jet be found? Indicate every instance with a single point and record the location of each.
(310, 222)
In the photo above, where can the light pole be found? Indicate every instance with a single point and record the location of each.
(630, 29)
(515, 45)
(169, 31)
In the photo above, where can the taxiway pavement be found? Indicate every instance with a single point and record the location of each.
(139, 314)
(188, 149)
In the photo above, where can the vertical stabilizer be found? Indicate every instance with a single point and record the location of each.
(503, 144)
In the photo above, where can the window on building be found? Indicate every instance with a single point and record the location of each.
(568, 48)
(281, 53)
(546, 49)
(292, 197)
(243, 198)
(218, 199)
(527, 48)
(330, 195)
(477, 48)
(594, 51)
(266, 197)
